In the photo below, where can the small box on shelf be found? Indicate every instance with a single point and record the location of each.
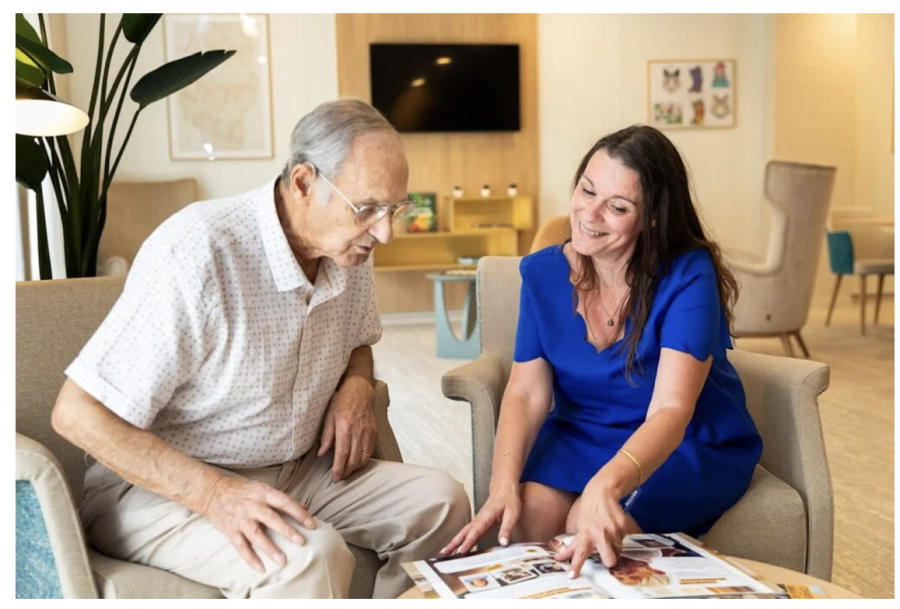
(423, 219)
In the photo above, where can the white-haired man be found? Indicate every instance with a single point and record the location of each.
(228, 395)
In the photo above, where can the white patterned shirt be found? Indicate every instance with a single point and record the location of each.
(212, 345)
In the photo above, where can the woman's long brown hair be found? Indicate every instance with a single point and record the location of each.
(670, 227)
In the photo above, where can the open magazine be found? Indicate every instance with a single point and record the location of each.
(650, 566)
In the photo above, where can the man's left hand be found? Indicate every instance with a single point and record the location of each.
(350, 427)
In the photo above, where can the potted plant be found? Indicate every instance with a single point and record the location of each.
(80, 189)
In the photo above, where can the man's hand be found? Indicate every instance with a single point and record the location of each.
(243, 509)
(350, 427)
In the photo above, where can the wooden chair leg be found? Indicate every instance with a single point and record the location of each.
(786, 343)
(802, 344)
(878, 298)
(862, 303)
(837, 287)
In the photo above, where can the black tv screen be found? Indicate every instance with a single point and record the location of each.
(446, 87)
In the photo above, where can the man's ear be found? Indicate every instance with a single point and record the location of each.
(302, 178)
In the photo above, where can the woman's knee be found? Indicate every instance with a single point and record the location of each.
(544, 512)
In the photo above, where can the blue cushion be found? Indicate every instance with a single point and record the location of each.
(36, 574)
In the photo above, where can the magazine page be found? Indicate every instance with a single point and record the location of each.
(518, 571)
(668, 566)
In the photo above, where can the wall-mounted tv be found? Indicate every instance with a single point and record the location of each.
(446, 87)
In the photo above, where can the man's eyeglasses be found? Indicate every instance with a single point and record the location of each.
(367, 215)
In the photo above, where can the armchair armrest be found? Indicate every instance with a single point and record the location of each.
(386, 447)
(481, 383)
(742, 262)
(36, 466)
(782, 394)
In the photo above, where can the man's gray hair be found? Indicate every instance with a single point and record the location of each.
(323, 137)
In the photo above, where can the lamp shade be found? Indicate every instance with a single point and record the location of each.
(43, 114)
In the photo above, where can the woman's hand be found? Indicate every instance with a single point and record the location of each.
(601, 526)
(503, 506)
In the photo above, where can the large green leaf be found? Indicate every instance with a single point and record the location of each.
(137, 26)
(47, 59)
(29, 73)
(31, 162)
(23, 28)
(175, 76)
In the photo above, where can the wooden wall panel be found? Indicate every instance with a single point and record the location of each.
(439, 161)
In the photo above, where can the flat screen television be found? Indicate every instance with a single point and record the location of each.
(446, 87)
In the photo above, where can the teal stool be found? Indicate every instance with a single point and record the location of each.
(448, 344)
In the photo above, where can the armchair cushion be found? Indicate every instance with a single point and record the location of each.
(767, 524)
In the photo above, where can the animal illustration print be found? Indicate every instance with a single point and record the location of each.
(696, 80)
(721, 106)
(671, 80)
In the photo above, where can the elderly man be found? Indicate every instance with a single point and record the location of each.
(228, 395)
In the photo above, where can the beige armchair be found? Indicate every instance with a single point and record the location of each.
(133, 211)
(776, 293)
(53, 321)
(786, 516)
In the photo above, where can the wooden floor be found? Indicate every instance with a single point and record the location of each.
(857, 416)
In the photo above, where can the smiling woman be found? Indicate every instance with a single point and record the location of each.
(643, 390)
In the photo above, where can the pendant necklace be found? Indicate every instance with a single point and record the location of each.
(609, 320)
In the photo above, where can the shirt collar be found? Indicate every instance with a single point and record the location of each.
(285, 269)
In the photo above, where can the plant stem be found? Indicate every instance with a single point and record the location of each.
(43, 244)
(112, 173)
(109, 55)
(74, 202)
(112, 129)
(93, 239)
(87, 137)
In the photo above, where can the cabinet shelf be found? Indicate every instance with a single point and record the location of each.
(421, 267)
(451, 234)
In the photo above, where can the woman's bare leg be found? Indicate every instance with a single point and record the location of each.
(544, 512)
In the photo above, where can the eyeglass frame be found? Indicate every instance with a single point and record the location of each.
(383, 208)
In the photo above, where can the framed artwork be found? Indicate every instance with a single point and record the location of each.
(691, 93)
(227, 114)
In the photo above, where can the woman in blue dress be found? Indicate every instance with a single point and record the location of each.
(624, 330)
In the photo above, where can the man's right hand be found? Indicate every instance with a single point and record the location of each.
(243, 509)
(504, 506)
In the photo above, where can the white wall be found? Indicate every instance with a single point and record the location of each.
(593, 80)
(875, 137)
(303, 63)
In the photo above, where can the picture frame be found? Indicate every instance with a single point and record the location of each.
(227, 114)
(692, 93)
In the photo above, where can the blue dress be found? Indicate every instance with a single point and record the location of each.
(596, 409)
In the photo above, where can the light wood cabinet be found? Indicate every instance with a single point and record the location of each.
(468, 228)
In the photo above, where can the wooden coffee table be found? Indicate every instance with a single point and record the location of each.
(761, 571)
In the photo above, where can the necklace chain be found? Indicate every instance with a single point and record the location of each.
(609, 318)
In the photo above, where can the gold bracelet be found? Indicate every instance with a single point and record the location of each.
(636, 462)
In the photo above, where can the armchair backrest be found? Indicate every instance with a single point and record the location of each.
(552, 232)
(800, 194)
(498, 282)
(54, 319)
(136, 209)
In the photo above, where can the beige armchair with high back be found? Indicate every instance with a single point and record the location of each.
(785, 518)
(54, 319)
(133, 211)
(776, 293)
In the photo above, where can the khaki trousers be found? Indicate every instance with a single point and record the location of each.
(402, 512)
